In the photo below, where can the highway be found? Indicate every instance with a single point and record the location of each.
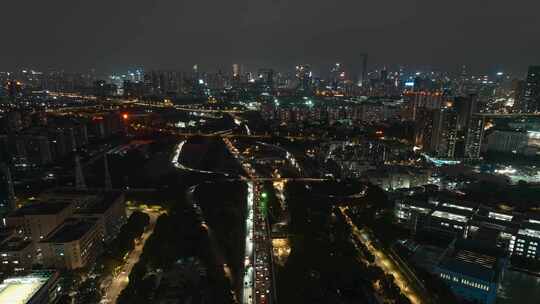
(248, 284)
(258, 286)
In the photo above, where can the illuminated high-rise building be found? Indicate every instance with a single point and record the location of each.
(531, 96)
(444, 136)
(423, 132)
(474, 137)
(337, 76)
(304, 75)
(518, 86)
(465, 107)
(266, 78)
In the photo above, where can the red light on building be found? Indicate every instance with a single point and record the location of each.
(125, 116)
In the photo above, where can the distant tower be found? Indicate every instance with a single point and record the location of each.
(237, 70)
(237, 74)
(196, 71)
(80, 184)
(364, 79)
(108, 183)
(7, 193)
(531, 97)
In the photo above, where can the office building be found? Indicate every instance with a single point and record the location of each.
(441, 212)
(506, 141)
(110, 211)
(450, 215)
(473, 270)
(72, 245)
(16, 253)
(408, 211)
(107, 207)
(517, 234)
(444, 132)
(35, 221)
(525, 242)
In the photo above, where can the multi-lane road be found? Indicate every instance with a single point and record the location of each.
(257, 285)
(257, 281)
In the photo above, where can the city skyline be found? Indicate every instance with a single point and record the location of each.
(272, 33)
(270, 152)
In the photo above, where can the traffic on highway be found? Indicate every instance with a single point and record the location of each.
(257, 281)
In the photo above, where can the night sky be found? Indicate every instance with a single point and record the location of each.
(113, 35)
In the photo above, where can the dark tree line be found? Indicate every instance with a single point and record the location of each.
(176, 236)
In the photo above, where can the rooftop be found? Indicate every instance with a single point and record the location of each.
(486, 221)
(70, 230)
(416, 203)
(21, 290)
(455, 211)
(100, 205)
(68, 195)
(40, 208)
(453, 201)
(474, 258)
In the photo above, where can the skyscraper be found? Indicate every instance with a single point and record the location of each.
(444, 137)
(304, 77)
(237, 70)
(337, 76)
(466, 107)
(531, 97)
(423, 132)
(519, 90)
(364, 76)
(474, 137)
